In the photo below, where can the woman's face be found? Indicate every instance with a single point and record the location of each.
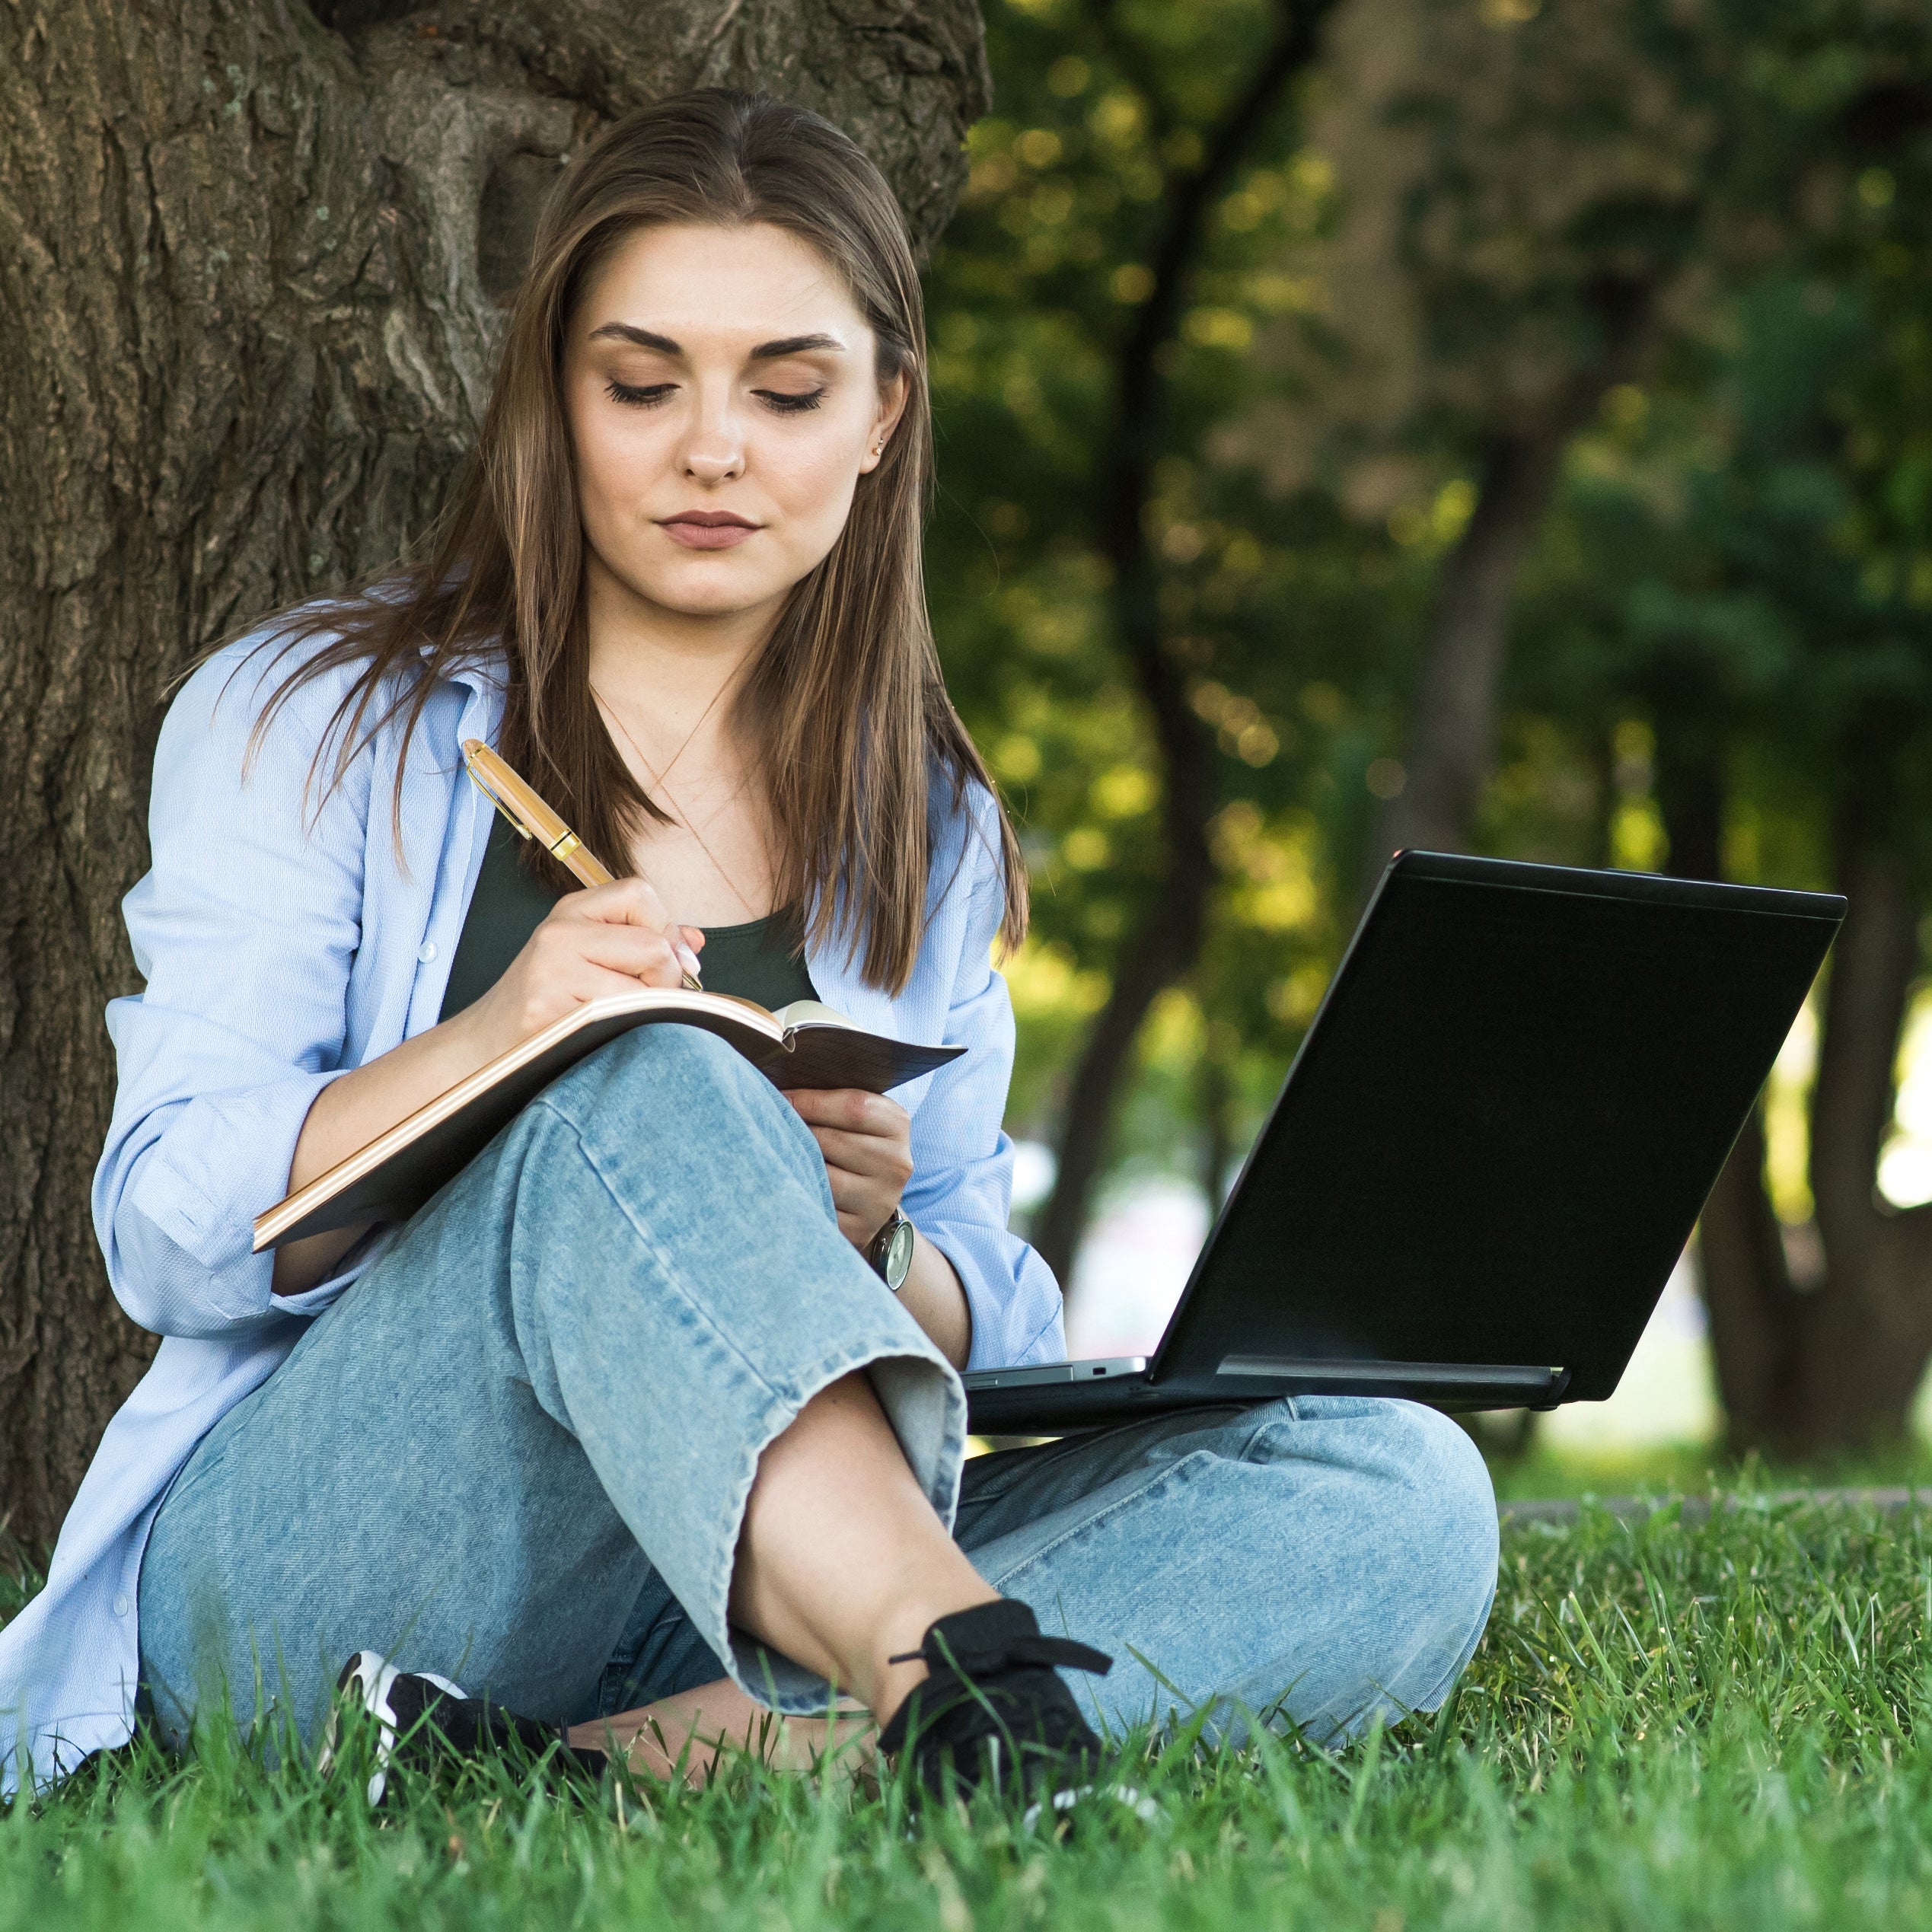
(723, 401)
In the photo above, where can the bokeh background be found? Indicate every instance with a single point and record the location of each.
(1476, 422)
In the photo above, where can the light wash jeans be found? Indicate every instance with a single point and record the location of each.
(517, 1451)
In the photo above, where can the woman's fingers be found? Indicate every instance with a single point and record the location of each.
(864, 1134)
(852, 1110)
(583, 953)
(851, 1192)
(865, 1142)
(603, 940)
(606, 923)
(863, 1206)
(633, 904)
(622, 902)
(866, 1155)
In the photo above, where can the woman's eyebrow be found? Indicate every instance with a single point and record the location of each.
(766, 351)
(644, 338)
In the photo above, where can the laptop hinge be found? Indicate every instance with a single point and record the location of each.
(1536, 1388)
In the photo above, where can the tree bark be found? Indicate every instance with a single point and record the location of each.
(1165, 939)
(1832, 1369)
(249, 253)
(1451, 741)
(1864, 1338)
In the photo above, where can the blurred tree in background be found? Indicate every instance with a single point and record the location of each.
(1458, 423)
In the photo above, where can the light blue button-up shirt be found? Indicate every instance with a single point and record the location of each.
(283, 946)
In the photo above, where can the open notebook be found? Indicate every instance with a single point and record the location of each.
(805, 1045)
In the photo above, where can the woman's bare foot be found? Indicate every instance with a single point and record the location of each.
(699, 1725)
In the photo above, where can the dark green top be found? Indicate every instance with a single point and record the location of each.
(755, 960)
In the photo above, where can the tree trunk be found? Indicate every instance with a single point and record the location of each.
(248, 257)
(1833, 1368)
(1747, 1294)
(1165, 939)
(1453, 726)
(1216, 1098)
(1865, 1336)
(1748, 1290)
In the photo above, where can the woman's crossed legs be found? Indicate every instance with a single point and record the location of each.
(634, 1306)
(1321, 1560)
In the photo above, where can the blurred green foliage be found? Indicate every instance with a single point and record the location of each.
(1741, 550)
(1031, 294)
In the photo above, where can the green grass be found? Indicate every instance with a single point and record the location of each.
(1694, 1468)
(1722, 1725)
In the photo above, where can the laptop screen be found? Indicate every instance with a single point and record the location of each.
(1501, 1128)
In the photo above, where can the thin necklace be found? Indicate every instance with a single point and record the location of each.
(658, 779)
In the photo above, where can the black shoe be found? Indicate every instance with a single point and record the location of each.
(993, 1711)
(420, 1715)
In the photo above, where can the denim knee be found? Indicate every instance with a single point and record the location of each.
(1421, 1518)
(681, 1083)
(1433, 1515)
(699, 1066)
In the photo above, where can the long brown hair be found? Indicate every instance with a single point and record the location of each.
(845, 707)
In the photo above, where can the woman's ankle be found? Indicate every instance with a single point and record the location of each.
(994, 1705)
(896, 1664)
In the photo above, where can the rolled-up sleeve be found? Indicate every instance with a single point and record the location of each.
(245, 930)
(961, 1190)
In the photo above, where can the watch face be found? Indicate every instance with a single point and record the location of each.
(898, 1255)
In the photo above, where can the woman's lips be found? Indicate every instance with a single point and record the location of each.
(703, 530)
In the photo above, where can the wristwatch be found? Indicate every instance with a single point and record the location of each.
(891, 1249)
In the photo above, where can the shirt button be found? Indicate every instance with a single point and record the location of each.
(120, 1605)
(426, 951)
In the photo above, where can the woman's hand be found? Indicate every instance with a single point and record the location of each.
(866, 1141)
(602, 940)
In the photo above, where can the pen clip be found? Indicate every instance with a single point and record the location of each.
(496, 798)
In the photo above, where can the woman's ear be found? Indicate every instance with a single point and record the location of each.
(891, 405)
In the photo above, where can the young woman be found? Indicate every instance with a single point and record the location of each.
(625, 1426)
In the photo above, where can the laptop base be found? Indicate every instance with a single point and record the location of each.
(1067, 1406)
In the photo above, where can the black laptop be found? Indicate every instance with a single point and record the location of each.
(1488, 1153)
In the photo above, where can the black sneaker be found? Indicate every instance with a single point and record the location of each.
(419, 1715)
(994, 1712)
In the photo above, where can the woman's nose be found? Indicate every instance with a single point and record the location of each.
(713, 461)
(714, 451)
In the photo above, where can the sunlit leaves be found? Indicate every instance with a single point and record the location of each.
(1042, 272)
(1746, 520)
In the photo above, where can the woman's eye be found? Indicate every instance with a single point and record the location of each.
(789, 402)
(638, 397)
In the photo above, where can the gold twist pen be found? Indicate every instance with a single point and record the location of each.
(524, 807)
